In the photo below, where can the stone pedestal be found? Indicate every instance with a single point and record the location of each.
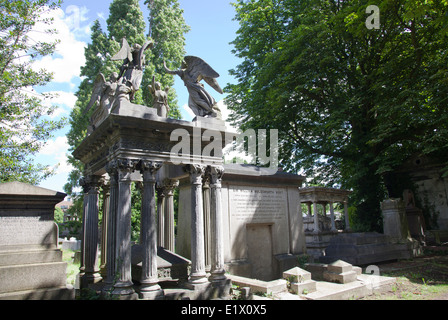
(300, 280)
(31, 266)
(395, 222)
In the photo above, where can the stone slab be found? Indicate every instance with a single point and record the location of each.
(32, 276)
(258, 286)
(30, 257)
(62, 293)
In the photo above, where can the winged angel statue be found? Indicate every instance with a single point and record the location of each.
(119, 86)
(192, 71)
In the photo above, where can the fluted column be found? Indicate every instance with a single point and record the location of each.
(207, 220)
(160, 216)
(90, 216)
(85, 187)
(124, 286)
(197, 275)
(316, 218)
(104, 230)
(217, 236)
(169, 186)
(149, 288)
(111, 252)
(333, 226)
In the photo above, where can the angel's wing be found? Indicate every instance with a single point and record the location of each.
(148, 44)
(96, 92)
(200, 69)
(125, 52)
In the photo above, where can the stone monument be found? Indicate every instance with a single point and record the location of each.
(133, 143)
(31, 265)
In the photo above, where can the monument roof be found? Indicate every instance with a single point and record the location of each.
(20, 188)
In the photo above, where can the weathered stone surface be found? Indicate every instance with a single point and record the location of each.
(31, 266)
(297, 275)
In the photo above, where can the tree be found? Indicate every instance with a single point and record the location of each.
(23, 122)
(97, 60)
(351, 103)
(168, 28)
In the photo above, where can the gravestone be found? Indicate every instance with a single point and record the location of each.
(31, 265)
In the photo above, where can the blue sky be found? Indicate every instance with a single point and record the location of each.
(212, 30)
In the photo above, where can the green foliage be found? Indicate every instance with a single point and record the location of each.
(351, 104)
(168, 28)
(24, 124)
(58, 215)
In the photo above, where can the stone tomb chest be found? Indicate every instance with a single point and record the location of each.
(31, 265)
(263, 228)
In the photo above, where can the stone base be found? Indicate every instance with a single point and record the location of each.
(198, 286)
(307, 286)
(151, 295)
(340, 272)
(63, 293)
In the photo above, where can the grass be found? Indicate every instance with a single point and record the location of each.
(72, 268)
(421, 278)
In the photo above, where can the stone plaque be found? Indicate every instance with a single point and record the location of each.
(257, 204)
(26, 231)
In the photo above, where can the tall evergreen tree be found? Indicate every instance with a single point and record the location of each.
(167, 28)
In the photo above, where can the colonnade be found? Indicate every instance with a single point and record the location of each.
(116, 244)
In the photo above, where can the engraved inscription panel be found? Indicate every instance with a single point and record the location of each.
(257, 204)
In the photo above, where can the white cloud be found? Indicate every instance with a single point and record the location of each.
(58, 149)
(65, 64)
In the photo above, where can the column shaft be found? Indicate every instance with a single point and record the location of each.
(217, 236)
(124, 285)
(198, 275)
(149, 288)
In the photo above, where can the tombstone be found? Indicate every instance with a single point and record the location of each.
(30, 261)
(395, 222)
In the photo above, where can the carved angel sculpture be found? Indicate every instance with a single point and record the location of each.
(160, 96)
(192, 71)
(103, 91)
(131, 71)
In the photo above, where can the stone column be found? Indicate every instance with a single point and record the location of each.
(111, 253)
(316, 218)
(216, 227)
(104, 230)
(85, 187)
(309, 209)
(207, 220)
(197, 276)
(149, 288)
(124, 286)
(169, 241)
(160, 216)
(90, 216)
(347, 222)
(333, 226)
